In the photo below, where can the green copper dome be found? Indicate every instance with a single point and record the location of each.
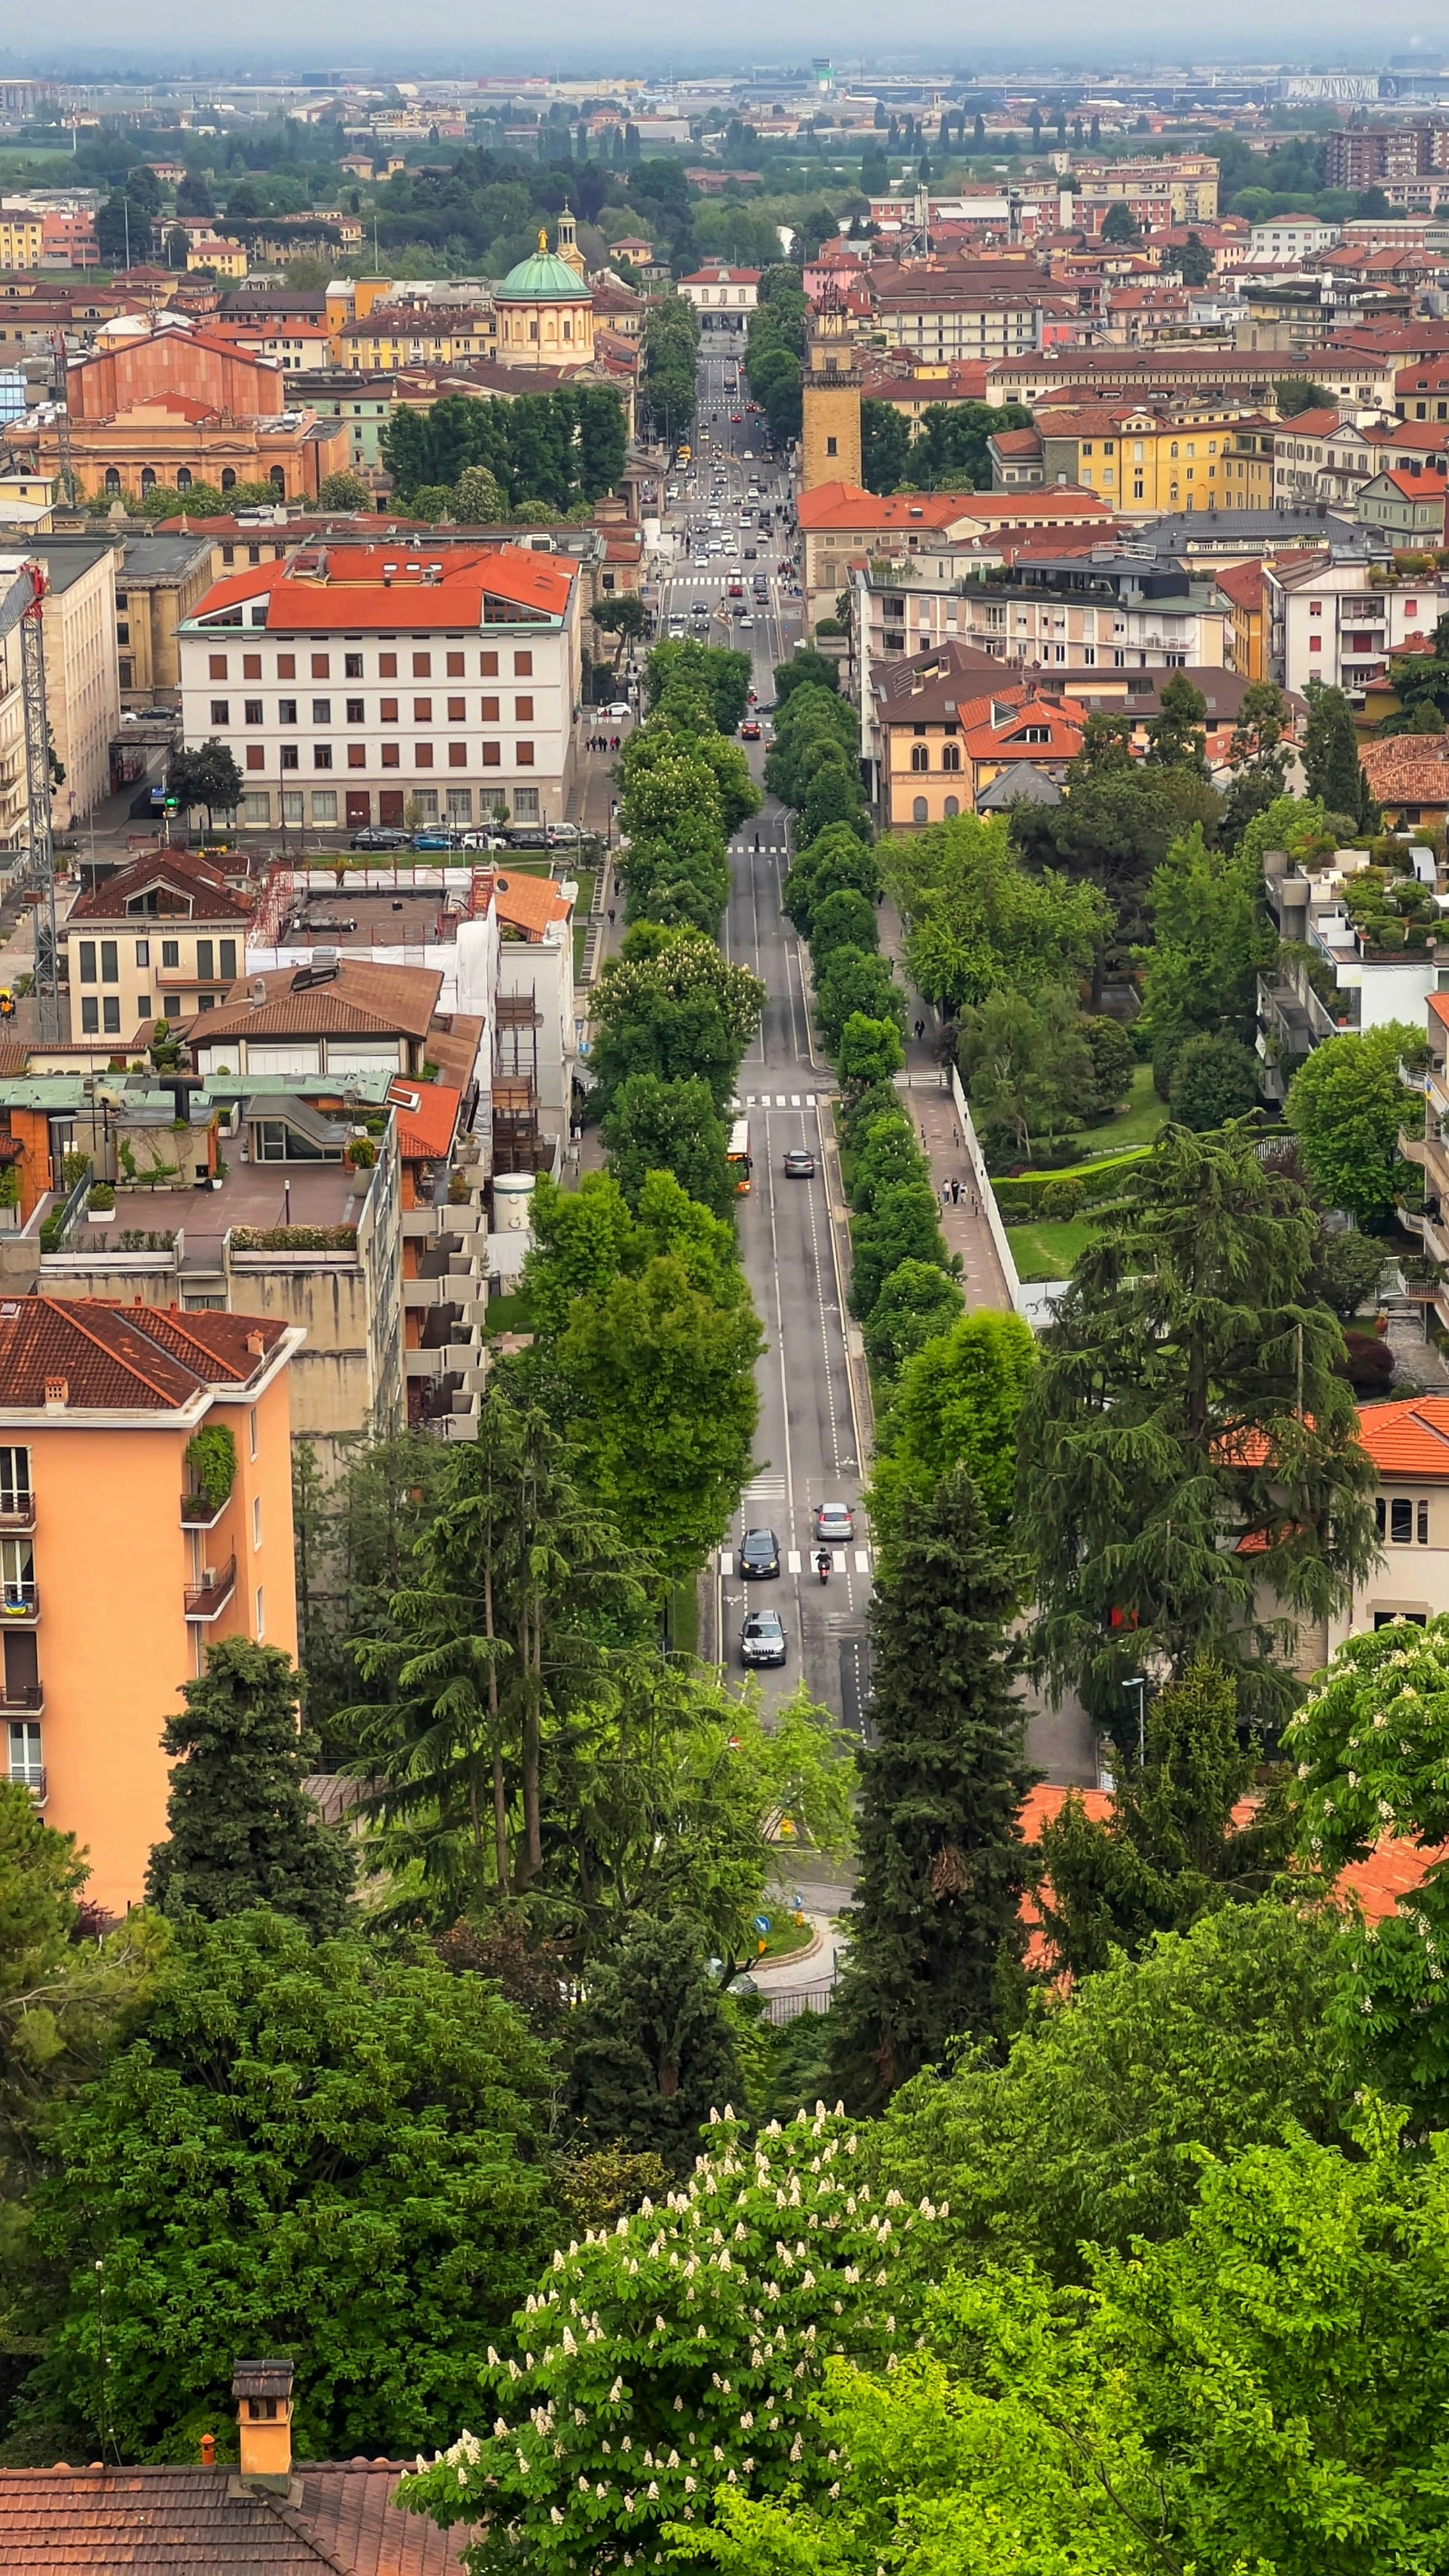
(544, 279)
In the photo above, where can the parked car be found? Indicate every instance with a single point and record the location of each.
(762, 1638)
(379, 836)
(563, 835)
(481, 841)
(799, 1162)
(619, 710)
(433, 837)
(833, 1523)
(527, 836)
(759, 1553)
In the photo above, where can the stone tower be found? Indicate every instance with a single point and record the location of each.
(830, 398)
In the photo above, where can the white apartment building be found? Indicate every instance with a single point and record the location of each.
(1089, 615)
(722, 297)
(360, 685)
(1329, 621)
(1288, 241)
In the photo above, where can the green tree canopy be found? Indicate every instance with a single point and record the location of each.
(1347, 1105)
(242, 1829)
(1190, 1455)
(977, 920)
(651, 2049)
(957, 1404)
(360, 2205)
(935, 1928)
(656, 1126)
(673, 1006)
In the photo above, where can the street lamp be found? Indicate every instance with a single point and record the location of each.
(1138, 1682)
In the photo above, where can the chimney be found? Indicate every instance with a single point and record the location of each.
(263, 2391)
(256, 1344)
(57, 1394)
(208, 2450)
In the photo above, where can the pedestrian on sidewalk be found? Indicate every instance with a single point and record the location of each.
(920, 1031)
(945, 1188)
(955, 1193)
(611, 912)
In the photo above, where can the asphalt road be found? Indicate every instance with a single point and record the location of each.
(808, 1444)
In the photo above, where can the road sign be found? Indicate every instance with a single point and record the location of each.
(762, 1923)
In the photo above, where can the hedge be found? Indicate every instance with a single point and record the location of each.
(1020, 1200)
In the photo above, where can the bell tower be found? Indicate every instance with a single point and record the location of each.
(566, 242)
(830, 401)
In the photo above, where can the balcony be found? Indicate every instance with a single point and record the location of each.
(22, 1699)
(19, 1604)
(197, 1513)
(19, 1517)
(34, 1780)
(207, 1599)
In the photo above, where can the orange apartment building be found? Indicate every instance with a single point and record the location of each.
(114, 1575)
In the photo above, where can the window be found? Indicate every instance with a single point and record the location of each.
(357, 755)
(261, 1611)
(90, 1017)
(422, 666)
(951, 756)
(457, 711)
(205, 960)
(143, 952)
(920, 756)
(422, 755)
(24, 1762)
(256, 756)
(831, 447)
(354, 711)
(216, 667)
(525, 804)
(321, 666)
(455, 666)
(460, 804)
(322, 711)
(918, 809)
(523, 755)
(321, 755)
(291, 756)
(251, 711)
(387, 712)
(387, 666)
(88, 961)
(291, 802)
(251, 666)
(352, 666)
(221, 711)
(492, 755)
(422, 711)
(523, 666)
(1410, 1618)
(488, 666)
(324, 804)
(256, 1520)
(391, 756)
(286, 710)
(171, 952)
(111, 1016)
(489, 710)
(523, 710)
(14, 1480)
(256, 808)
(123, 631)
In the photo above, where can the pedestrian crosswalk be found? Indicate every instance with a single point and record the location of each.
(859, 1559)
(780, 1100)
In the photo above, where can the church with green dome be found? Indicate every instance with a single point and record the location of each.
(545, 312)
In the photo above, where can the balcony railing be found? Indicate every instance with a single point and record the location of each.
(20, 1515)
(33, 1779)
(208, 1598)
(26, 1696)
(19, 1604)
(198, 1512)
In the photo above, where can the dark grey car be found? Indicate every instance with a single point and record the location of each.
(759, 1553)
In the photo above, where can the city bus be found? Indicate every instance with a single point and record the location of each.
(737, 1154)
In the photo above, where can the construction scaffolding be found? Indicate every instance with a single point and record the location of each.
(23, 607)
(517, 1145)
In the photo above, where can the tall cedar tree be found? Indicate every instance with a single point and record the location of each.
(1191, 1477)
(1169, 1851)
(652, 2052)
(1330, 751)
(936, 1927)
(243, 1830)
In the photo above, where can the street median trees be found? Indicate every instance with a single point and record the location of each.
(838, 861)
(671, 1004)
(856, 981)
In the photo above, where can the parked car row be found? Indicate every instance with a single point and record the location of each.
(441, 836)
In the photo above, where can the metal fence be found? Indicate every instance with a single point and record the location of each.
(786, 2004)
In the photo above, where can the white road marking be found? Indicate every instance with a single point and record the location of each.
(792, 1560)
(726, 1561)
(779, 1100)
(837, 1559)
(794, 1099)
(862, 1560)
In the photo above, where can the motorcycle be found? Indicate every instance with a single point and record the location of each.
(822, 1565)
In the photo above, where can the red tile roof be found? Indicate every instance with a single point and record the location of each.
(1410, 1438)
(387, 587)
(362, 996)
(427, 1114)
(1407, 769)
(178, 871)
(154, 2521)
(127, 1358)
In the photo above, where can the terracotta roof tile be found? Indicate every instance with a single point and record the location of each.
(427, 1114)
(1407, 768)
(179, 872)
(127, 1358)
(362, 997)
(374, 587)
(165, 2521)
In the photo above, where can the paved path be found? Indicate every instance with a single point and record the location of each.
(928, 1096)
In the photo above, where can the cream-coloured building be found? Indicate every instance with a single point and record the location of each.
(81, 680)
(544, 310)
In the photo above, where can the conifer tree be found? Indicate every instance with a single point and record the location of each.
(936, 1929)
(243, 1830)
(1170, 1850)
(653, 2054)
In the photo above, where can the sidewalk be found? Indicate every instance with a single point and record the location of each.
(924, 1083)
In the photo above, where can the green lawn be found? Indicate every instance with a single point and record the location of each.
(1048, 1251)
(684, 1619)
(509, 1313)
(1137, 1124)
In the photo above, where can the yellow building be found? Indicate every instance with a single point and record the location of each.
(830, 403)
(213, 251)
(20, 241)
(389, 336)
(1145, 461)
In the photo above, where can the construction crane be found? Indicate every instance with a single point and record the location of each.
(23, 607)
(62, 420)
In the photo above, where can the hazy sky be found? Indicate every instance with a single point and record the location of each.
(642, 33)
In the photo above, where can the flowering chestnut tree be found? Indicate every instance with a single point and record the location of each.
(674, 2358)
(1371, 1749)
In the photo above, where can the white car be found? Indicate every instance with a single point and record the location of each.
(619, 711)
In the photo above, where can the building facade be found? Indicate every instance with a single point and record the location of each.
(373, 684)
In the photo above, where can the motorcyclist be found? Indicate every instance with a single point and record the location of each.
(822, 1564)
